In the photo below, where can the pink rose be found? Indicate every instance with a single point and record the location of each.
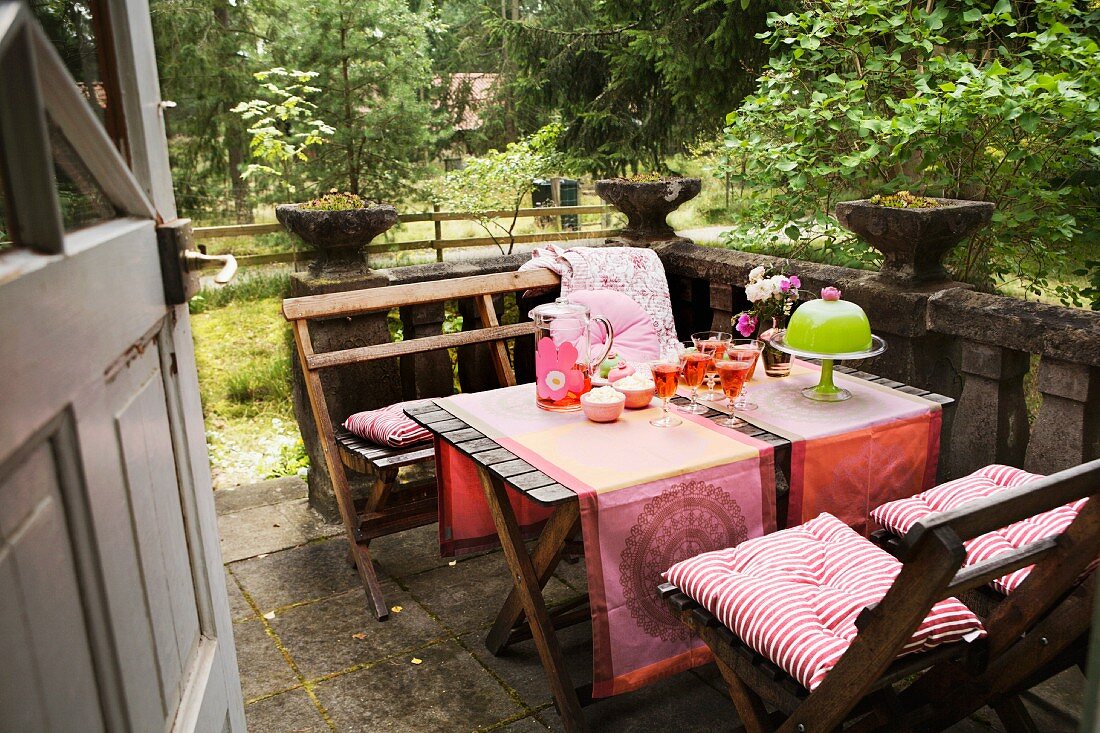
(746, 325)
(830, 293)
(795, 282)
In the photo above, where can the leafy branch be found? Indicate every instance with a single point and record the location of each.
(499, 181)
(282, 122)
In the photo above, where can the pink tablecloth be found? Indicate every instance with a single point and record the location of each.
(649, 497)
(848, 457)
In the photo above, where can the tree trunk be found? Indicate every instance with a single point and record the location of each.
(345, 75)
(234, 141)
(509, 114)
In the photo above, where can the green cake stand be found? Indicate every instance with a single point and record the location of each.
(825, 390)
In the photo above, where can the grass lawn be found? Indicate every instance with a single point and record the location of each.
(243, 356)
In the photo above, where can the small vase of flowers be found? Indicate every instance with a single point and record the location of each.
(773, 295)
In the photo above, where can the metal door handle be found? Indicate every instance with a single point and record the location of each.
(195, 261)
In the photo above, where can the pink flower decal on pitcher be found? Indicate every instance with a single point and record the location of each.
(556, 372)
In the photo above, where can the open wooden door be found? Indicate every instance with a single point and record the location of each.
(113, 610)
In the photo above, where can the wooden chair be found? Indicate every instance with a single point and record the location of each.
(1030, 635)
(390, 508)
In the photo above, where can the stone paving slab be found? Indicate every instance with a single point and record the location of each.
(409, 553)
(519, 666)
(573, 574)
(263, 529)
(290, 712)
(447, 691)
(315, 570)
(264, 668)
(467, 595)
(314, 611)
(526, 725)
(264, 493)
(338, 633)
(239, 607)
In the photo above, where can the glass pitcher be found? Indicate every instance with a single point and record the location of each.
(564, 359)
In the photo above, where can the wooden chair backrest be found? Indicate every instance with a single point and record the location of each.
(481, 288)
(1002, 509)
(300, 311)
(933, 554)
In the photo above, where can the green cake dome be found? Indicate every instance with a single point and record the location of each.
(829, 325)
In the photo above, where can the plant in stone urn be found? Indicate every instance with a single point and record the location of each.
(913, 233)
(773, 295)
(338, 226)
(646, 200)
(284, 130)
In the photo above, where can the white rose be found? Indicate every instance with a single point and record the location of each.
(775, 286)
(756, 273)
(754, 291)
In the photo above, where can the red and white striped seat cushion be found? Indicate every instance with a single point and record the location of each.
(794, 595)
(900, 516)
(388, 426)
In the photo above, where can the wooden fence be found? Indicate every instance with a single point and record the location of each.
(438, 243)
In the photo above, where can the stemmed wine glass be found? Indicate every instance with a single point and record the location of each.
(732, 373)
(713, 343)
(694, 364)
(746, 351)
(666, 378)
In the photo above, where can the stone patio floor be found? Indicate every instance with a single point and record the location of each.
(312, 658)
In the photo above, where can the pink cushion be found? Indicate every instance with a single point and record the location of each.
(388, 426)
(635, 335)
(794, 595)
(900, 516)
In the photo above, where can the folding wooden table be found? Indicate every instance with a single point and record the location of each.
(524, 614)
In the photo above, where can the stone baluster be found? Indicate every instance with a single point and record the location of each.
(990, 424)
(430, 374)
(721, 306)
(1067, 430)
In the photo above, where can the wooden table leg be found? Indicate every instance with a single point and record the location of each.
(559, 528)
(527, 586)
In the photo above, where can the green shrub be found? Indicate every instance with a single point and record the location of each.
(957, 100)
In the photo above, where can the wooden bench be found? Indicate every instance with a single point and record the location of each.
(1033, 633)
(389, 507)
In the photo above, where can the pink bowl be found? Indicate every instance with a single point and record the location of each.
(637, 398)
(601, 411)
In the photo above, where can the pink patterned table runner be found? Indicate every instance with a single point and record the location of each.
(649, 497)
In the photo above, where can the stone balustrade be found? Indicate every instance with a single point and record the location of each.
(944, 337)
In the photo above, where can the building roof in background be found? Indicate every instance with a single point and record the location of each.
(470, 92)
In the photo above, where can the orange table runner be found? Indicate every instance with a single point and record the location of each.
(848, 457)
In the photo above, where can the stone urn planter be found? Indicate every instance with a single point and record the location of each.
(914, 241)
(338, 238)
(647, 203)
